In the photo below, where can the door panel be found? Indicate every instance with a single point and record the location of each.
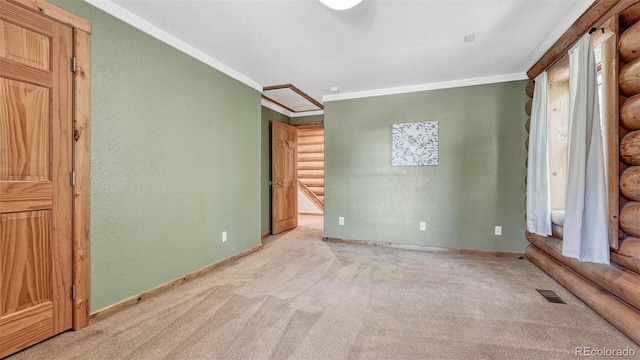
(24, 138)
(35, 188)
(20, 328)
(24, 46)
(26, 256)
(284, 142)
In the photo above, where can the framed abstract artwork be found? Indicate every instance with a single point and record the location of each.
(415, 144)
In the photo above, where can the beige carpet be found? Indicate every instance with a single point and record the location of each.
(301, 298)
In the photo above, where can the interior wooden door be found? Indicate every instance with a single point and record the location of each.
(35, 178)
(284, 189)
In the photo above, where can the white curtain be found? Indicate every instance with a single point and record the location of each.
(585, 224)
(538, 201)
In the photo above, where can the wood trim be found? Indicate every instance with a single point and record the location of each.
(599, 12)
(297, 91)
(52, 12)
(276, 87)
(618, 313)
(136, 299)
(38, 77)
(621, 282)
(308, 193)
(81, 117)
(81, 153)
(425, 248)
(610, 73)
(81, 150)
(265, 234)
(310, 214)
(312, 125)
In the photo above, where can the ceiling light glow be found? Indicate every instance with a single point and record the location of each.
(340, 4)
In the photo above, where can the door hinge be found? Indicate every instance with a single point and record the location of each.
(74, 64)
(73, 178)
(73, 292)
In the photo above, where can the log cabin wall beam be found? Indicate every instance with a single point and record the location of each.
(623, 283)
(628, 254)
(629, 131)
(596, 15)
(311, 162)
(617, 312)
(611, 290)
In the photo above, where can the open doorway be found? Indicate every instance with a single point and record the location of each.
(311, 175)
(311, 169)
(296, 177)
(289, 196)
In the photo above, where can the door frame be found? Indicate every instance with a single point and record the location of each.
(81, 120)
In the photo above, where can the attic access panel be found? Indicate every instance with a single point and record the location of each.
(291, 98)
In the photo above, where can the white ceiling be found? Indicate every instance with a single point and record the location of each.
(380, 44)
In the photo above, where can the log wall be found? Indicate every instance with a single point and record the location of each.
(311, 162)
(613, 290)
(629, 130)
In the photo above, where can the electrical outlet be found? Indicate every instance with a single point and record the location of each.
(498, 230)
(340, 220)
(423, 226)
(224, 236)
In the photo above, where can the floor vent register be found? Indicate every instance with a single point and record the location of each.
(551, 296)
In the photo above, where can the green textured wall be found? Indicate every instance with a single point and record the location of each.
(306, 119)
(268, 115)
(478, 184)
(175, 160)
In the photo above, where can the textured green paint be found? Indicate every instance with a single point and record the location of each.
(268, 115)
(175, 160)
(306, 119)
(479, 183)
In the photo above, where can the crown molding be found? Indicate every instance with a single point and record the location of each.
(139, 23)
(275, 107)
(424, 87)
(307, 113)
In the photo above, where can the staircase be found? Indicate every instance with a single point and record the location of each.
(311, 162)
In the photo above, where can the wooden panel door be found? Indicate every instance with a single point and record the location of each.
(284, 190)
(35, 169)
